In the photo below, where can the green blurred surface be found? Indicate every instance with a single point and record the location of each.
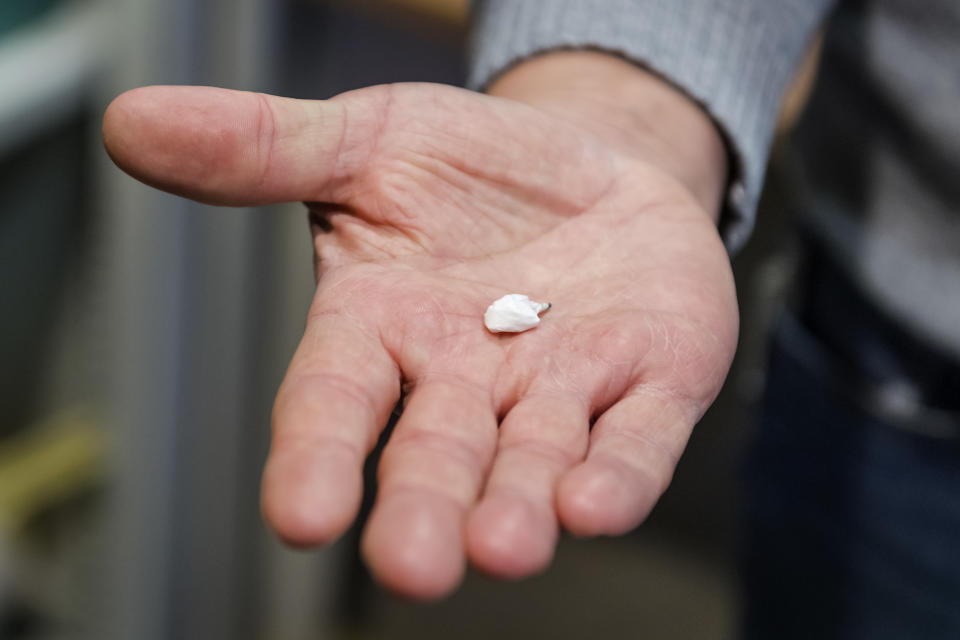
(16, 13)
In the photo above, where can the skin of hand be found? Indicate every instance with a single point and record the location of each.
(427, 203)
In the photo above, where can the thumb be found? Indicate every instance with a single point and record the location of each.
(231, 147)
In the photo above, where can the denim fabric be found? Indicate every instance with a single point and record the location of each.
(851, 525)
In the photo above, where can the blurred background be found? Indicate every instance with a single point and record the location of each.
(143, 337)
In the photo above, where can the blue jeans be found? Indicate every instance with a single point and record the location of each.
(851, 525)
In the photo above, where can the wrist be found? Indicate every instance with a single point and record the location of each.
(629, 108)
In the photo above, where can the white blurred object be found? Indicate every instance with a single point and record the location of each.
(513, 313)
(47, 68)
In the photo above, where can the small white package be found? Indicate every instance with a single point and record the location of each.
(513, 313)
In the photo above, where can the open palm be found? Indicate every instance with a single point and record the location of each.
(428, 203)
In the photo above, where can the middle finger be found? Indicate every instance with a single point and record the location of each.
(430, 474)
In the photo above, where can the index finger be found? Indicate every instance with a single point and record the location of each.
(333, 403)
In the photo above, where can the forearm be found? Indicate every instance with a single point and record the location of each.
(630, 108)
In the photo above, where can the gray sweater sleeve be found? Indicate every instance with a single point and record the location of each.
(734, 57)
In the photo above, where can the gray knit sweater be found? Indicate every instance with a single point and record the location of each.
(878, 149)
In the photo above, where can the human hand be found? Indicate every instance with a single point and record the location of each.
(436, 202)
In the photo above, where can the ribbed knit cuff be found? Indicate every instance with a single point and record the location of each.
(734, 57)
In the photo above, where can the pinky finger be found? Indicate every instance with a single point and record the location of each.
(634, 448)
